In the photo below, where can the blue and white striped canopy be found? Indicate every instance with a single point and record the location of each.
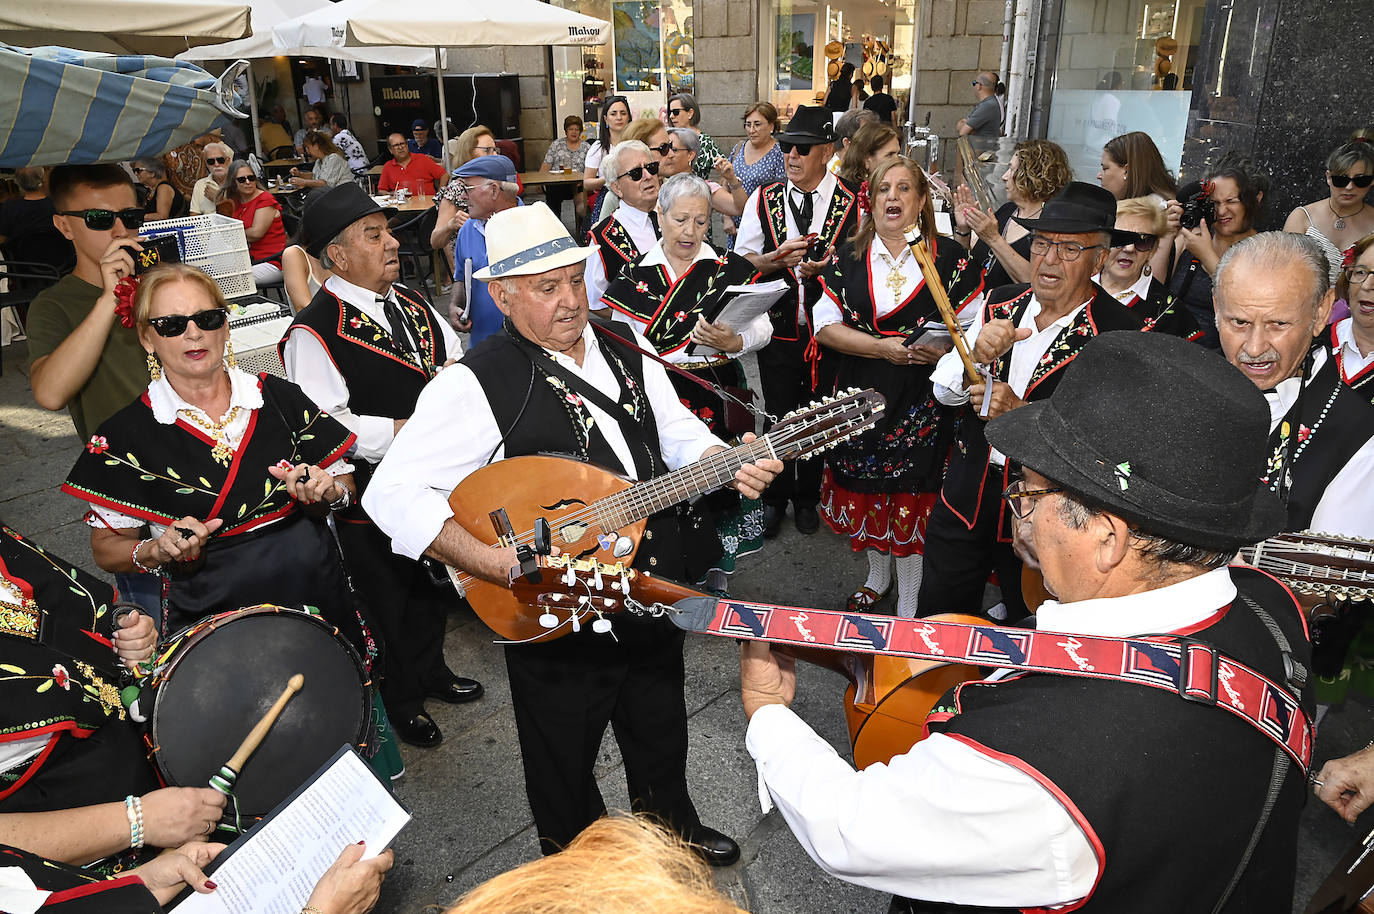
(59, 106)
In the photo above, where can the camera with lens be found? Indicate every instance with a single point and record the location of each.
(1197, 205)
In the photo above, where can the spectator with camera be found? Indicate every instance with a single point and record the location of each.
(1213, 215)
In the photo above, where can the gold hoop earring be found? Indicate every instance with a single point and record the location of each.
(154, 367)
(229, 360)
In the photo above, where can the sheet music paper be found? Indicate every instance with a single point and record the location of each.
(743, 303)
(274, 867)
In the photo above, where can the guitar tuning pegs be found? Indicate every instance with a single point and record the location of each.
(548, 620)
(596, 576)
(570, 577)
(601, 626)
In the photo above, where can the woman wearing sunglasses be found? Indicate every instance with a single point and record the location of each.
(1127, 273)
(233, 475)
(162, 200)
(217, 157)
(260, 214)
(1345, 216)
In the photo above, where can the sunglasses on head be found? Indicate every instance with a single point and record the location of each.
(100, 220)
(175, 324)
(803, 149)
(219, 160)
(1345, 180)
(634, 174)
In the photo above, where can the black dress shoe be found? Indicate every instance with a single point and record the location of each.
(772, 520)
(419, 730)
(806, 519)
(713, 847)
(457, 691)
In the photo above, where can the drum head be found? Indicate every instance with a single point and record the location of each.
(223, 680)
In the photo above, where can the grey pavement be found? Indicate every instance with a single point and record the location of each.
(471, 821)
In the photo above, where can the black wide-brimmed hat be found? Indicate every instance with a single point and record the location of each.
(1079, 208)
(809, 125)
(1159, 431)
(332, 211)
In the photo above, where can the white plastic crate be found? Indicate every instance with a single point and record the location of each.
(215, 244)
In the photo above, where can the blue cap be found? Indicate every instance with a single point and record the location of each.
(496, 167)
(419, 122)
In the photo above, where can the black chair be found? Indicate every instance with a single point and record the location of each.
(415, 250)
(23, 281)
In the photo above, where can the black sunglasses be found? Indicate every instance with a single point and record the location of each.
(674, 112)
(634, 174)
(245, 179)
(100, 220)
(803, 149)
(175, 324)
(662, 148)
(1344, 180)
(1143, 243)
(216, 161)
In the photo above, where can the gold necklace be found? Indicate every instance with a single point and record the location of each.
(895, 279)
(221, 452)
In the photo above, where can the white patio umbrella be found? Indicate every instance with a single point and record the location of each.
(161, 27)
(430, 24)
(270, 13)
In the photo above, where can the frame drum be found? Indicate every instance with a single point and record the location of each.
(223, 674)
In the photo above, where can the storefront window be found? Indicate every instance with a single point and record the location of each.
(803, 45)
(1123, 65)
(649, 57)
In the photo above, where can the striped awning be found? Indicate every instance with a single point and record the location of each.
(62, 106)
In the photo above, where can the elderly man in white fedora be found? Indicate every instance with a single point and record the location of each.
(551, 381)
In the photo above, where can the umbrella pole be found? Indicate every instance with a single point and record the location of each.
(443, 107)
(253, 109)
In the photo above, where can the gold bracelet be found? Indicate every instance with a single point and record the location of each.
(311, 909)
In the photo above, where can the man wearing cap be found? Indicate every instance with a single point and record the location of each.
(1026, 335)
(421, 142)
(550, 383)
(630, 170)
(1102, 793)
(773, 232)
(363, 349)
(421, 175)
(491, 187)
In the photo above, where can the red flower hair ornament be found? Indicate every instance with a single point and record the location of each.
(865, 205)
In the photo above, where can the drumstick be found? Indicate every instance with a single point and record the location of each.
(942, 302)
(224, 780)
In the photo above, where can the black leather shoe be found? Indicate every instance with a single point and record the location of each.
(419, 730)
(806, 519)
(713, 847)
(457, 691)
(772, 520)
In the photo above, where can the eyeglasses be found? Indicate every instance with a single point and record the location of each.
(137, 170)
(976, 83)
(101, 220)
(674, 112)
(634, 174)
(1345, 180)
(664, 148)
(803, 149)
(1143, 243)
(218, 160)
(1069, 251)
(1017, 496)
(246, 179)
(484, 150)
(396, 146)
(175, 324)
(1358, 275)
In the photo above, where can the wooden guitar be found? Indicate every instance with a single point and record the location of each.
(597, 518)
(1319, 564)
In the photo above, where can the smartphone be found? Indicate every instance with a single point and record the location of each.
(162, 249)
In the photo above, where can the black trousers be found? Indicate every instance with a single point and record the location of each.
(407, 609)
(786, 377)
(958, 561)
(564, 694)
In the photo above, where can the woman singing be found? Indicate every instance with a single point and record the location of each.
(666, 295)
(878, 488)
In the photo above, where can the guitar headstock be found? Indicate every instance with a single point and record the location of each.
(824, 424)
(574, 591)
(1310, 562)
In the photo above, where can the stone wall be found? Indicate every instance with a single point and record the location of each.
(726, 50)
(958, 39)
(531, 64)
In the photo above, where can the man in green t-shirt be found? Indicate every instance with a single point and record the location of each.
(81, 357)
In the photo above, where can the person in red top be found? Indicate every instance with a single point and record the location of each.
(420, 174)
(260, 214)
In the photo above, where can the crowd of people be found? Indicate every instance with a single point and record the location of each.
(1095, 395)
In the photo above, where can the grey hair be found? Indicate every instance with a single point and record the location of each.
(610, 166)
(850, 122)
(222, 147)
(29, 179)
(325, 260)
(153, 165)
(1277, 250)
(1158, 551)
(690, 139)
(682, 186)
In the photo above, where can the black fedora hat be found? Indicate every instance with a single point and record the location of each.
(1159, 431)
(809, 125)
(332, 211)
(1079, 208)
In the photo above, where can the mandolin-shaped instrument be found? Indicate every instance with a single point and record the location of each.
(595, 519)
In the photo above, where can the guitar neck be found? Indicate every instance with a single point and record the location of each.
(1318, 563)
(638, 502)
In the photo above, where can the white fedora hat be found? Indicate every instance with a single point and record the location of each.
(525, 240)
